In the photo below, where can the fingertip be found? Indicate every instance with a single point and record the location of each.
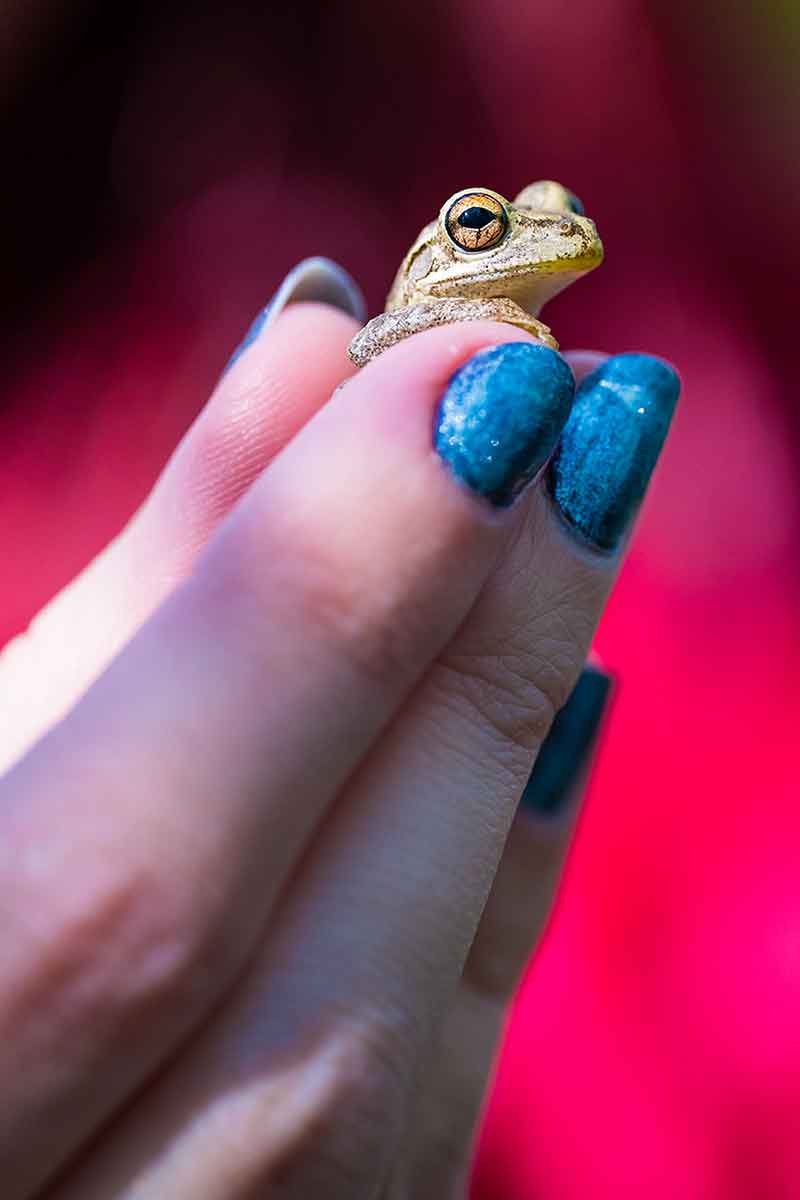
(610, 446)
(322, 280)
(317, 280)
(488, 398)
(312, 328)
(287, 373)
(501, 417)
(446, 347)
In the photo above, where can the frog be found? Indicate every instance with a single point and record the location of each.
(487, 258)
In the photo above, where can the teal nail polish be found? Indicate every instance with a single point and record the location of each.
(566, 748)
(501, 417)
(249, 337)
(611, 443)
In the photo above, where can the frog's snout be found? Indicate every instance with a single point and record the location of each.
(572, 238)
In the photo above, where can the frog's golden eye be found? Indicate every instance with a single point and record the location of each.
(575, 204)
(548, 196)
(476, 221)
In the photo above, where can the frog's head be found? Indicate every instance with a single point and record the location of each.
(482, 245)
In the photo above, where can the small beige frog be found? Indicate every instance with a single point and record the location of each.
(487, 259)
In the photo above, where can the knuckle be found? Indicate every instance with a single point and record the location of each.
(513, 685)
(369, 629)
(513, 697)
(348, 1129)
(109, 953)
(351, 607)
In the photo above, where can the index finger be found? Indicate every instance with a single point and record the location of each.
(283, 374)
(149, 834)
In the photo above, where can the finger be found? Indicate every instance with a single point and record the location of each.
(438, 1151)
(524, 887)
(260, 403)
(436, 799)
(155, 826)
(368, 947)
(553, 790)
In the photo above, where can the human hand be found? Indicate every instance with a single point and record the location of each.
(244, 874)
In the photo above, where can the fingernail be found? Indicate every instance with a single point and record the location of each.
(568, 745)
(319, 279)
(501, 417)
(611, 443)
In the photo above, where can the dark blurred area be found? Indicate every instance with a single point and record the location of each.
(166, 164)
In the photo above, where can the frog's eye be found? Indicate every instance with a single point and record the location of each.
(476, 221)
(548, 196)
(575, 204)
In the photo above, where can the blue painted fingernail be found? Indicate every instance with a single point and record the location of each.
(317, 278)
(611, 443)
(501, 417)
(568, 745)
(249, 337)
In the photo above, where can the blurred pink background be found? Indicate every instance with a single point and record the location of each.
(178, 163)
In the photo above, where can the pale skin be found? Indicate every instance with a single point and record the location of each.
(247, 947)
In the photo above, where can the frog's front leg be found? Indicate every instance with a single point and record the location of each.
(390, 327)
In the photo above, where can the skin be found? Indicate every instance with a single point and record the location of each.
(326, 757)
(546, 246)
(181, 1013)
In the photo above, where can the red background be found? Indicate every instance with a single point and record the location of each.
(172, 170)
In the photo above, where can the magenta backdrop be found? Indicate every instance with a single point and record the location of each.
(655, 1046)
